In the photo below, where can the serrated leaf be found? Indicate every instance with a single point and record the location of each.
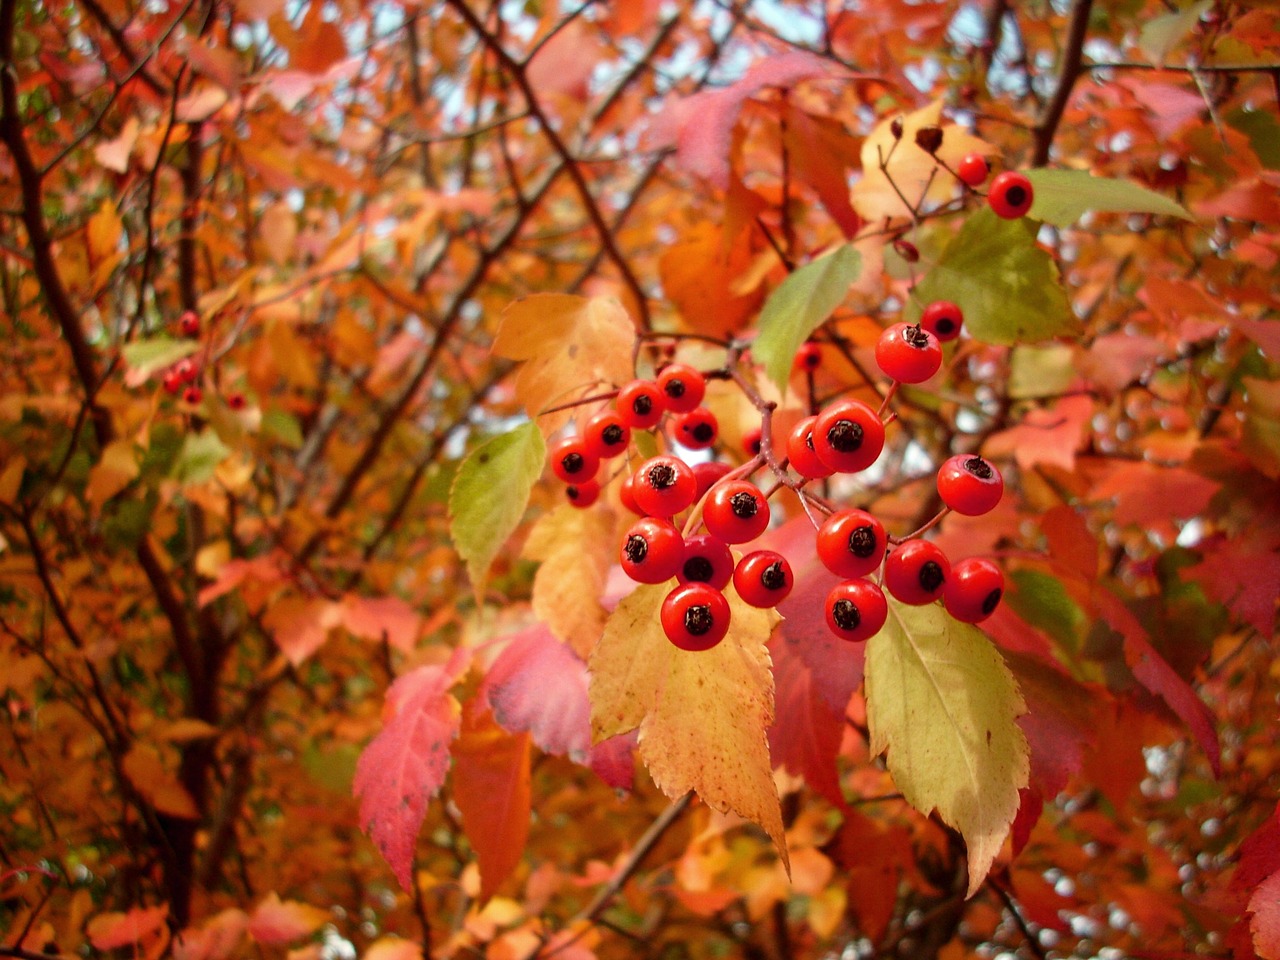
(489, 495)
(799, 305)
(703, 717)
(200, 456)
(1008, 288)
(145, 357)
(943, 703)
(1063, 196)
(576, 548)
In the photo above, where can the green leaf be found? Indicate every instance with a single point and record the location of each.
(1041, 371)
(145, 357)
(799, 306)
(1063, 196)
(200, 456)
(942, 701)
(1263, 130)
(284, 426)
(1008, 287)
(1160, 34)
(490, 493)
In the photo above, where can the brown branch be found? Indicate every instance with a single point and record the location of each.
(1069, 72)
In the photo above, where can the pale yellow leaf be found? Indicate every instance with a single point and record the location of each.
(703, 716)
(114, 154)
(105, 230)
(572, 346)
(911, 168)
(942, 701)
(278, 230)
(576, 548)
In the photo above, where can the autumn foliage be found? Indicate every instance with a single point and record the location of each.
(305, 653)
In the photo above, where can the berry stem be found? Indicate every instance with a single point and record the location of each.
(922, 530)
(884, 403)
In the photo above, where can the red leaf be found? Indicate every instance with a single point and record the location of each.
(1265, 907)
(822, 154)
(1046, 436)
(1242, 577)
(1259, 855)
(807, 729)
(1030, 807)
(1145, 493)
(404, 766)
(613, 760)
(538, 685)
(491, 788)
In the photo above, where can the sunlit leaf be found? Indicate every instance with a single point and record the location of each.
(1063, 196)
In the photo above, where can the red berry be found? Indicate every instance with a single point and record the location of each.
(682, 387)
(697, 429)
(627, 494)
(584, 493)
(193, 395)
(652, 551)
(706, 560)
(639, 404)
(695, 616)
(970, 485)
(809, 356)
(236, 401)
(908, 354)
(943, 319)
(664, 486)
(848, 436)
(572, 462)
(751, 441)
(856, 610)
(1011, 195)
(974, 589)
(851, 543)
(189, 323)
(187, 370)
(763, 579)
(974, 169)
(916, 572)
(708, 473)
(801, 453)
(172, 382)
(736, 511)
(606, 435)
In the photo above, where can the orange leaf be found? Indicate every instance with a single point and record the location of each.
(277, 921)
(320, 43)
(108, 931)
(301, 625)
(158, 786)
(218, 939)
(378, 618)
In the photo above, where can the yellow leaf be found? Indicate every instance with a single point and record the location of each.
(112, 473)
(911, 168)
(105, 231)
(576, 548)
(703, 716)
(573, 346)
(942, 701)
(278, 230)
(827, 911)
(393, 948)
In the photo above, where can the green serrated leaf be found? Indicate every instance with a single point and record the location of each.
(942, 701)
(490, 493)
(200, 456)
(1063, 196)
(1008, 288)
(145, 357)
(799, 306)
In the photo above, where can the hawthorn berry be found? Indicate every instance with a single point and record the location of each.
(664, 486)
(848, 436)
(187, 370)
(973, 169)
(851, 543)
(583, 493)
(970, 485)
(627, 494)
(189, 323)
(916, 572)
(697, 429)
(682, 386)
(639, 404)
(695, 616)
(809, 356)
(974, 589)
(572, 462)
(192, 395)
(1010, 195)
(708, 473)
(751, 441)
(606, 435)
(907, 353)
(172, 382)
(236, 401)
(801, 453)
(855, 610)
(763, 579)
(943, 319)
(652, 551)
(706, 560)
(736, 511)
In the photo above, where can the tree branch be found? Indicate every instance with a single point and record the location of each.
(1069, 72)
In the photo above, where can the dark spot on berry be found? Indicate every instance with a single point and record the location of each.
(931, 577)
(698, 569)
(754, 446)
(674, 388)
(662, 476)
(642, 404)
(636, 548)
(572, 462)
(611, 435)
(916, 337)
(1016, 196)
(698, 619)
(979, 468)
(991, 601)
(846, 614)
(572, 492)
(773, 577)
(744, 505)
(845, 436)
(703, 432)
(812, 361)
(862, 542)
(945, 325)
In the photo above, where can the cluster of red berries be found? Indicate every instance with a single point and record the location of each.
(1010, 195)
(182, 378)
